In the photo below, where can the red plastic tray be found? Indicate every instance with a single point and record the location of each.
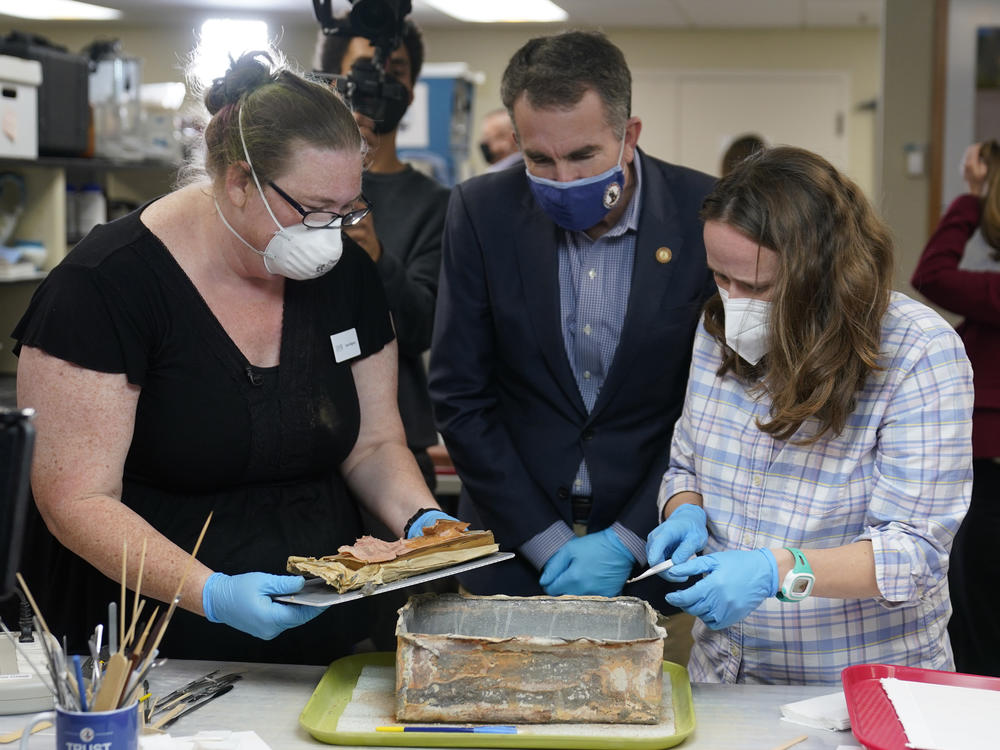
(873, 719)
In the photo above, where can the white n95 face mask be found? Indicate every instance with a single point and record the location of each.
(297, 252)
(746, 326)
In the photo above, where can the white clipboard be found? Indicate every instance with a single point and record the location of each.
(318, 593)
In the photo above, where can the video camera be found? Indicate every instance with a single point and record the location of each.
(367, 88)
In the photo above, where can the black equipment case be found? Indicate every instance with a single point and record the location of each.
(63, 100)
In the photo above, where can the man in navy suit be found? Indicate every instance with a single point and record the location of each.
(568, 300)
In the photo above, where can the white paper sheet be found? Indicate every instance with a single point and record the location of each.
(821, 712)
(944, 717)
(222, 739)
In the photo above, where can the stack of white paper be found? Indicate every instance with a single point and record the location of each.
(821, 712)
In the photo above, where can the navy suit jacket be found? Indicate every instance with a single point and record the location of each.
(504, 395)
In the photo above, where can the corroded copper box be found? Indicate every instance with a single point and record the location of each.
(529, 660)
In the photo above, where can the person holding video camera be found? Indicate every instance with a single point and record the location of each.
(223, 349)
(403, 233)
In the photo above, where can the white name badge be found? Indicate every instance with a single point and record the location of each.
(345, 345)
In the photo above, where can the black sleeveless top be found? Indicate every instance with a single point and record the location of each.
(260, 447)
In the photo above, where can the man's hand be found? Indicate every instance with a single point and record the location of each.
(364, 234)
(593, 565)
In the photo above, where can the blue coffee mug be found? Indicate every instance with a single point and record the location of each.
(91, 730)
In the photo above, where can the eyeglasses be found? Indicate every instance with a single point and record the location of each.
(321, 219)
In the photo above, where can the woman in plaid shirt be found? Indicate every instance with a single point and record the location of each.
(822, 462)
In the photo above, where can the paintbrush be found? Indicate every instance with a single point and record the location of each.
(121, 610)
(138, 589)
(177, 594)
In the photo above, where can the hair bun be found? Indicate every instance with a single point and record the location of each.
(245, 74)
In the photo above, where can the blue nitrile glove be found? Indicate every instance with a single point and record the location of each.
(244, 602)
(737, 582)
(597, 564)
(681, 536)
(427, 519)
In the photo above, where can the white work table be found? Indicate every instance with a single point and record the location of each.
(270, 697)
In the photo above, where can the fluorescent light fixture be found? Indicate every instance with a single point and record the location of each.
(224, 38)
(501, 11)
(58, 10)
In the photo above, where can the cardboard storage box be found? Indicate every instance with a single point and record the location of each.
(63, 108)
(19, 82)
(537, 659)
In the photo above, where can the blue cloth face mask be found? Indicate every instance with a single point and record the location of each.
(580, 204)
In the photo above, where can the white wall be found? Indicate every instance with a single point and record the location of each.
(964, 17)
(905, 118)
(854, 52)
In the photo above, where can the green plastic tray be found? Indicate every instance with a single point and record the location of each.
(333, 693)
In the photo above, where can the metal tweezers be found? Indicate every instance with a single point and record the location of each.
(205, 698)
(200, 689)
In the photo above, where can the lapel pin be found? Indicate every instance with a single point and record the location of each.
(663, 254)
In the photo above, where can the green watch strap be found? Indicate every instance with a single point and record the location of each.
(800, 565)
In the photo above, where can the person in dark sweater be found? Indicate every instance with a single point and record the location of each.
(941, 276)
(403, 233)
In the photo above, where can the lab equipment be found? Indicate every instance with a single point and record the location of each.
(367, 88)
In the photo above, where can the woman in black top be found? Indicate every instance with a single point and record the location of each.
(200, 355)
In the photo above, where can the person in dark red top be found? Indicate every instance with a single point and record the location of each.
(975, 563)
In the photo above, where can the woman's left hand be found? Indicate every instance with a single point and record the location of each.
(736, 584)
(429, 518)
(974, 169)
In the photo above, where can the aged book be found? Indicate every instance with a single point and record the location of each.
(371, 561)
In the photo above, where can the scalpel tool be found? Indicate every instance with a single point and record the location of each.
(658, 568)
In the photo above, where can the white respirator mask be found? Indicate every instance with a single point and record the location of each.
(296, 252)
(746, 326)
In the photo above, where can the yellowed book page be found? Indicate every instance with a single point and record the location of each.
(344, 578)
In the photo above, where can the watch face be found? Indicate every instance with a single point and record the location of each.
(798, 586)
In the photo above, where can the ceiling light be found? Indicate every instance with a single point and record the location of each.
(501, 11)
(58, 10)
(223, 40)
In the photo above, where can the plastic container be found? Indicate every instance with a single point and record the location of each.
(873, 719)
(91, 208)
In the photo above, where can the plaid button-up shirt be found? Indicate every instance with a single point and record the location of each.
(899, 475)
